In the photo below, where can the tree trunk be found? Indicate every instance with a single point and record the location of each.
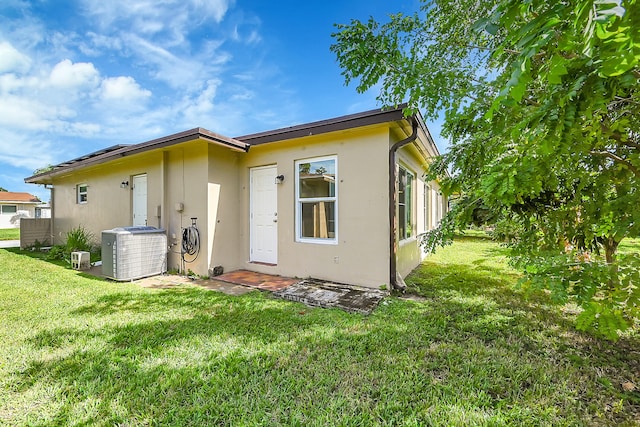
(611, 247)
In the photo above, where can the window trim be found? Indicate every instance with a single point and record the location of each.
(427, 206)
(8, 213)
(80, 193)
(299, 201)
(411, 221)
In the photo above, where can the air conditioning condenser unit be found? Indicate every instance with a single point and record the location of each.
(130, 253)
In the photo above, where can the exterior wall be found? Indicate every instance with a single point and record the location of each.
(211, 184)
(223, 237)
(361, 254)
(178, 189)
(410, 253)
(184, 174)
(35, 229)
(12, 220)
(108, 205)
(177, 175)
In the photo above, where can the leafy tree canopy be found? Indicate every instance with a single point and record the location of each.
(3, 189)
(541, 105)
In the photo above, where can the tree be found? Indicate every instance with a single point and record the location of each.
(43, 169)
(3, 189)
(540, 101)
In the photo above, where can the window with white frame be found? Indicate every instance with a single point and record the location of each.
(81, 192)
(317, 200)
(405, 203)
(426, 194)
(9, 209)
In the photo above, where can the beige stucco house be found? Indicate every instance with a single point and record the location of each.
(342, 199)
(15, 205)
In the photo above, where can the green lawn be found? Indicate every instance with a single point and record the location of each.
(471, 351)
(9, 234)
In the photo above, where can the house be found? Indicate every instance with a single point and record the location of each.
(343, 199)
(14, 206)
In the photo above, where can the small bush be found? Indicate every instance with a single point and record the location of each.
(57, 252)
(78, 239)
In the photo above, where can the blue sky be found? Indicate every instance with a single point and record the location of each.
(77, 76)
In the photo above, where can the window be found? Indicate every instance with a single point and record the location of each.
(316, 200)
(81, 191)
(405, 203)
(426, 193)
(9, 209)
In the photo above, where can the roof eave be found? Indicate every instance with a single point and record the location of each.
(186, 136)
(351, 121)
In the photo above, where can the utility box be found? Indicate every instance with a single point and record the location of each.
(80, 260)
(130, 253)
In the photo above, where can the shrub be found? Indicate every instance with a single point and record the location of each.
(78, 239)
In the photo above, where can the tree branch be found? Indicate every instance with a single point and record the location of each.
(618, 159)
(617, 136)
(631, 144)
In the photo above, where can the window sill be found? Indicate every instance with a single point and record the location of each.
(318, 241)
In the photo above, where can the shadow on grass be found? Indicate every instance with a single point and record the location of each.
(243, 360)
(188, 356)
(489, 294)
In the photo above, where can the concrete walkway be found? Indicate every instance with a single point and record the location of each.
(9, 243)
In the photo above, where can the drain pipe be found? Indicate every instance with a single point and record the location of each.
(395, 280)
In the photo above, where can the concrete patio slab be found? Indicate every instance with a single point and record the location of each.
(312, 292)
(318, 293)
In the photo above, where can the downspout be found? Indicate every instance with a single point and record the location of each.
(393, 177)
(51, 189)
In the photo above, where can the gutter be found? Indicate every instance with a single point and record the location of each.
(395, 280)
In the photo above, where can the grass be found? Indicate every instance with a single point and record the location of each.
(9, 234)
(469, 350)
(629, 246)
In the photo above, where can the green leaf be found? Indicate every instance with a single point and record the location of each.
(557, 69)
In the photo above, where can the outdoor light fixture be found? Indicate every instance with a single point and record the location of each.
(124, 184)
(279, 179)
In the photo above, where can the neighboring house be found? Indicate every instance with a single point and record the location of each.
(14, 206)
(342, 199)
(43, 211)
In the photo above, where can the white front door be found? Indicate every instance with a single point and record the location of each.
(139, 200)
(263, 215)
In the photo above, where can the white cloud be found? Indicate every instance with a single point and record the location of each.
(184, 72)
(89, 85)
(10, 83)
(25, 150)
(94, 44)
(11, 60)
(195, 110)
(67, 75)
(123, 89)
(18, 112)
(150, 17)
